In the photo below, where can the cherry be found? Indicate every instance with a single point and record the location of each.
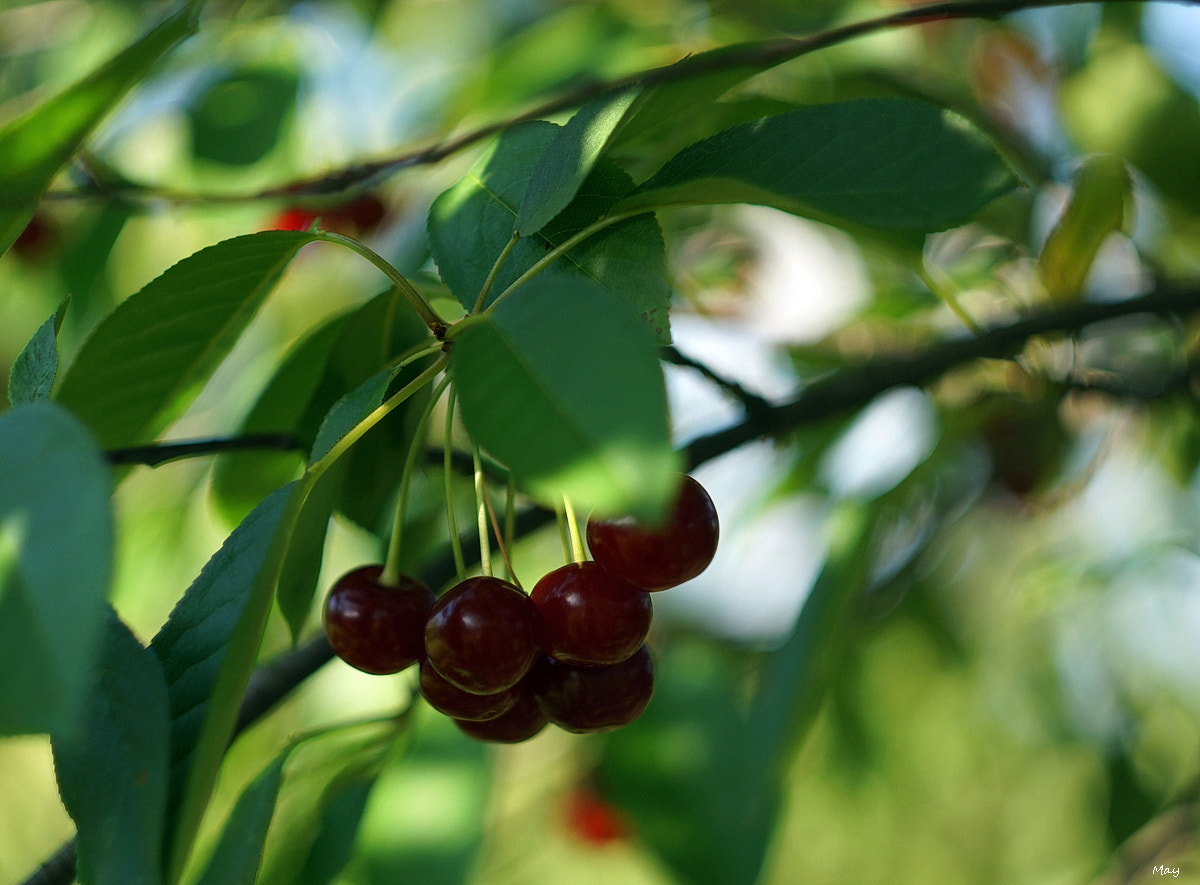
(585, 700)
(589, 615)
(360, 216)
(657, 557)
(592, 819)
(373, 627)
(519, 723)
(447, 698)
(481, 635)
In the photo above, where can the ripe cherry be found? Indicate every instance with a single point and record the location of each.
(590, 616)
(451, 700)
(519, 723)
(593, 820)
(373, 627)
(481, 635)
(594, 699)
(657, 557)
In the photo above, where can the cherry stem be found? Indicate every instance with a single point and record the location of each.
(510, 516)
(407, 289)
(390, 576)
(460, 565)
(560, 520)
(565, 246)
(485, 544)
(356, 433)
(494, 272)
(577, 554)
(508, 566)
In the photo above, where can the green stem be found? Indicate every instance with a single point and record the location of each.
(356, 433)
(460, 563)
(560, 250)
(510, 518)
(485, 544)
(390, 575)
(407, 289)
(494, 272)
(577, 554)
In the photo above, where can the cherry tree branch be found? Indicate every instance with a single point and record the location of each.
(154, 454)
(756, 55)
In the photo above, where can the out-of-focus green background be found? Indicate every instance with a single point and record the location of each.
(1019, 701)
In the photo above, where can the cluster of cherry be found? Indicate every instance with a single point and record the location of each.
(503, 664)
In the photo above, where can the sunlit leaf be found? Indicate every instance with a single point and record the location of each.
(238, 853)
(56, 537)
(888, 163)
(147, 361)
(562, 385)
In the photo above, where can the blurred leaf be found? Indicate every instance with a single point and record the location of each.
(1130, 805)
(887, 163)
(238, 853)
(33, 372)
(796, 677)
(146, 362)
(242, 479)
(561, 384)
(472, 223)
(112, 766)
(1100, 201)
(56, 538)
(208, 647)
(240, 117)
(568, 159)
(36, 145)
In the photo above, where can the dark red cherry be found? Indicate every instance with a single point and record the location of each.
(373, 627)
(454, 702)
(519, 723)
(590, 616)
(482, 635)
(655, 557)
(594, 699)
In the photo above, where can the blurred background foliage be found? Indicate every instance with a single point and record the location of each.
(1014, 687)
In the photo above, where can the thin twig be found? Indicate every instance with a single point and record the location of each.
(154, 454)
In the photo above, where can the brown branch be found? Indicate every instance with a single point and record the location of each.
(159, 453)
(759, 55)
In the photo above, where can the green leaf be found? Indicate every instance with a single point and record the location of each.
(147, 361)
(473, 222)
(562, 385)
(889, 163)
(36, 145)
(569, 158)
(56, 537)
(302, 567)
(36, 365)
(112, 767)
(208, 647)
(242, 479)
(350, 410)
(238, 853)
(1099, 205)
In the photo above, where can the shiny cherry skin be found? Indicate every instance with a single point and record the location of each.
(519, 723)
(655, 557)
(587, 700)
(373, 627)
(481, 635)
(588, 615)
(458, 704)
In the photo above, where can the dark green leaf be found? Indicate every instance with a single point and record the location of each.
(148, 360)
(472, 223)
(889, 163)
(33, 372)
(239, 851)
(568, 159)
(56, 538)
(306, 551)
(242, 479)
(562, 385)
(337, 829)
(199, 635)
(241, 116)
(35, 146)
(112, 767)
(350, 410)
